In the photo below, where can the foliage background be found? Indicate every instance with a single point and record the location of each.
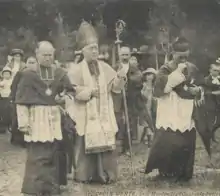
(149, 22)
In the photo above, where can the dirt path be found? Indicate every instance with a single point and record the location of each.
(206, 181)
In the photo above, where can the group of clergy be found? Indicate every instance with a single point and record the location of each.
(84, 106)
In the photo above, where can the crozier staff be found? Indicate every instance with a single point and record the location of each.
(94, 81)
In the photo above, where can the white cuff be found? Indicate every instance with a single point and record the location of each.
(174, 79)
(118, 84)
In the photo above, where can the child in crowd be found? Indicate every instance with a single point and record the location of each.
(31, 63)
(5, 91)
(150, 104)
(212, 98)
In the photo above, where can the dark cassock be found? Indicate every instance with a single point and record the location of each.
(179, 115)
(95, 158)
(39, 117)
(133, 94)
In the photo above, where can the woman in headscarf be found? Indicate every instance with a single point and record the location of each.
(16, 65)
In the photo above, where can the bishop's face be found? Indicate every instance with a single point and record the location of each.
(91, 52)
(45, 57)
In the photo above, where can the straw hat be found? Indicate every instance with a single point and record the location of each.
(17, 51)
(6, 69)
(149, 71)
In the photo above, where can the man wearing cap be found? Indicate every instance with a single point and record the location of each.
(179, 98)
(133, 93)
(94, 81)
(37, 99)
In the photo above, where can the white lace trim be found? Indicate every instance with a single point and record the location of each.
(44, 121)
(175, 113)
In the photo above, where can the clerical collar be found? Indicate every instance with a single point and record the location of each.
(46, 73)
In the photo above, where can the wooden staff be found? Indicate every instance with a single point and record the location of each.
(156, 57)
(120, 25)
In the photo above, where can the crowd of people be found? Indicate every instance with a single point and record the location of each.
(70, 116)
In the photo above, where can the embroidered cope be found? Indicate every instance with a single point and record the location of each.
(95, 117)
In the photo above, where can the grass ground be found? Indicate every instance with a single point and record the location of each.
(206, 180)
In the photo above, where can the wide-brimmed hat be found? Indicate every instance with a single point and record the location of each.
(144, 49)
(136, 53)
(17, 51)
(149, 71)
(6, 69)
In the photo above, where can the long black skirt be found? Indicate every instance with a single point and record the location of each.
(173, 153)
(5, 114)
(43, 173)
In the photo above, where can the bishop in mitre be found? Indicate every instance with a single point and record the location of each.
(94, 82)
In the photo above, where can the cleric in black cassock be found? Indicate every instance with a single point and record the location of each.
(179, 97)
(39, 118)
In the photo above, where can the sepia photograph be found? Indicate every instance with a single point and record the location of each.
(109, 97)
